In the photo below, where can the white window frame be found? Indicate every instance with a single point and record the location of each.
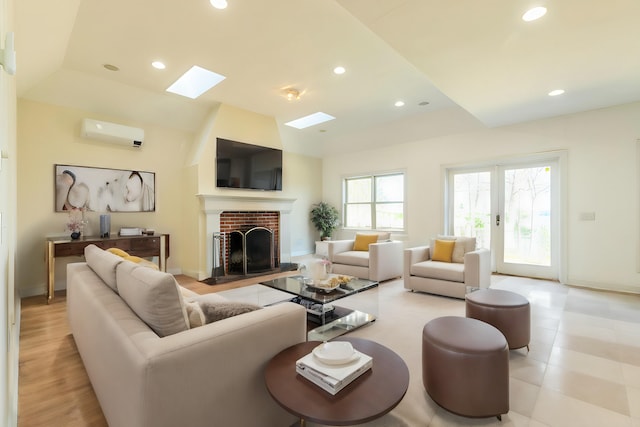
(373, 203)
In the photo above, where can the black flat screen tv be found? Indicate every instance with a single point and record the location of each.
(242, 165)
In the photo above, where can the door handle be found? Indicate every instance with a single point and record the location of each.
(498, 220)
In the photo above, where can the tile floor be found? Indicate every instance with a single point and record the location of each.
(583, 369)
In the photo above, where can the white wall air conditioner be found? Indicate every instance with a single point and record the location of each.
(113, 133)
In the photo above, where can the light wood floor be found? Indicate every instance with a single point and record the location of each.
(54, 389)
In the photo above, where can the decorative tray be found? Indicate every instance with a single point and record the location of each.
(329, 284)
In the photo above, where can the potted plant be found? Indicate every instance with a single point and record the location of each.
(325, 218)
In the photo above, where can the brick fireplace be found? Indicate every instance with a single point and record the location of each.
(269, 212)
(239, 229)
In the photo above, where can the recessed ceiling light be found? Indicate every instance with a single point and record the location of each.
(310, 120)
(423, 103)
(158, 65)
(339, 70)
(535, 13)
(556, 92)
(399, 104)
(219, 4)
(111, 67)
(195, 82)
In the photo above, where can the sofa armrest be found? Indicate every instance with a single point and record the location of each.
(414, 256)
(336, 246)
(477, 268)
(385, 260)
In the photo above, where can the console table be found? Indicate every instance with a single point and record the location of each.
(142, 246)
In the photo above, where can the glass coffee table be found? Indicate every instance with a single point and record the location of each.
(325, 320)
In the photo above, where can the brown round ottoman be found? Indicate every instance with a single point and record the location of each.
(507, 311)
(465, 366)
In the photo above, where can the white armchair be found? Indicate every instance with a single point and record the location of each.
(468, 267)
(382, 261)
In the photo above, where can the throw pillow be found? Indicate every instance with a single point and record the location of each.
(118, 251)
(194, 314)
(462, 246)
(443, 250)
(222, 310)
(362, 241)
(141, 262)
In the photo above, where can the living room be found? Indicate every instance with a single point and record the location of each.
(600, 175)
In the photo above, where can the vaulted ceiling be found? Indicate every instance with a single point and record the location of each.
(457, 65)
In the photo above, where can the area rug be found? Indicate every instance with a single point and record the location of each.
(228, 278)
(256, 294)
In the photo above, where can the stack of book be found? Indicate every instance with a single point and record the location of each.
(333, 377)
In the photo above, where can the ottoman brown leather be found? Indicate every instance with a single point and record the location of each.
(507, 311)
(465, 366)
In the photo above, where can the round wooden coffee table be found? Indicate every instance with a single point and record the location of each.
(368, 397)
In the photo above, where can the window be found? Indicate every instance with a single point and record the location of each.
(374, 202)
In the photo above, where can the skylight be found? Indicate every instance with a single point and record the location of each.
(195, 82)
(310, 120)
(535, 13)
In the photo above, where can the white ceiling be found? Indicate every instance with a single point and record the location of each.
(476, 63)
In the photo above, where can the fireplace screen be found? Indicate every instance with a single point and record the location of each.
(251, 251)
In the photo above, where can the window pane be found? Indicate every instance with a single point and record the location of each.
(527, 222)
(472, 206)
(390, 188)
(358, 216)
(359, 190)
(390, 216)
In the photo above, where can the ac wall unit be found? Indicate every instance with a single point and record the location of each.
(112, 132)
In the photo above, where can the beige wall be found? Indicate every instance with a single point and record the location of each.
(184, 164)
(602, 177)
(301, 178)
(50, 135)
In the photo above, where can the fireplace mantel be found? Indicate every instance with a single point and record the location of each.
(213, 205)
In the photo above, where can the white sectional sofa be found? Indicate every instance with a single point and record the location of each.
(211, 375)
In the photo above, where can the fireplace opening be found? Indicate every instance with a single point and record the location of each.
(251, 251)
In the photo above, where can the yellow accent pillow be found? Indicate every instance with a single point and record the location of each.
(141, 261)
(443, 250)
(363, 241)
(118, 252)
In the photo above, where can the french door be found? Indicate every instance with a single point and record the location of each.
(513, 210)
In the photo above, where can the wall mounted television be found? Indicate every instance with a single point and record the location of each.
(248, 166)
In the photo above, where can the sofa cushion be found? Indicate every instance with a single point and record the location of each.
(359, 258)
(443, 250)
(154, 296)
(384, 236)
(191, 300)
(362, 241)
(461, 247)
(103, 264)
(449, 271)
